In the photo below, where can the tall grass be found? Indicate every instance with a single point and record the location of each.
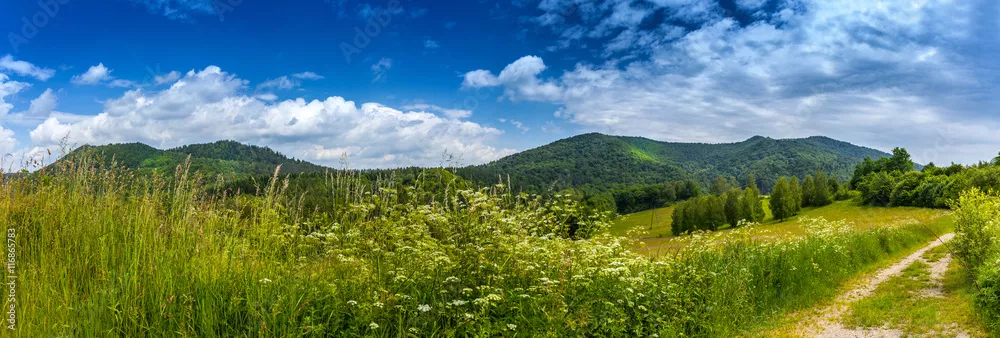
(104, 252)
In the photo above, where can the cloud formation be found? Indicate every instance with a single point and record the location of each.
(94, 75)
(208, 105)
(884, 74)
(22, 68)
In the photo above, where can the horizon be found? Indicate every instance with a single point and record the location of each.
(396, 83)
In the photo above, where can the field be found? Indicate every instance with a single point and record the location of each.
(659, 240)
(113, 253)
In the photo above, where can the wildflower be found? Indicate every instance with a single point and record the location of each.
(424, 307)
(264, 281)
(512, 327)
(352, 303)
(451, 279)
(378, 304)
(373, 326)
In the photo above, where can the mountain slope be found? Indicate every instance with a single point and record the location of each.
(223, 157)
(600, 162)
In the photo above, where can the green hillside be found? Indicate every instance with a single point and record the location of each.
(601, 162)
(223, 157)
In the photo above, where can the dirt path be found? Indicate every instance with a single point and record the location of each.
(827, 323)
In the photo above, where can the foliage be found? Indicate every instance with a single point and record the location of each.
(709, 213)
(109, 252)
(977, 243)
(629, 161)
(933, 187)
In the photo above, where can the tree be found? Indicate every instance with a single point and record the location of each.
(757, 206)
(996, 160)
(781, 200)
(733, 207)
(677, 224)
(821, 190)
(808, 191)
(795, 190)
(720, 186)
(900, 161)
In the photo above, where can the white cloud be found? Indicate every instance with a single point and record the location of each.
(193, 109)
(308, 76)
(283, 82)
(431, 44)
(451, 113)
(520, 80)
(94, 75)
(8, 88)
(381, 69)
(267, 97)
(884, 74)
(120, 83)
(23, 68)
(7, 145)
(167, 78)
(44, 104)
(289, 82)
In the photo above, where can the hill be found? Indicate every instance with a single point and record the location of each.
(223, 157)
(601, 162)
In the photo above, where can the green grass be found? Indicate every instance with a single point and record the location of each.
(110, 253)
(659, 239)
(660, 219)
(901, 303)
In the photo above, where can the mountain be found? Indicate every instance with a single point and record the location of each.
(595, 162)
(223, 157)
(600, 162)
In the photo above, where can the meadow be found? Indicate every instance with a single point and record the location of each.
(658, 239)
(108, 252)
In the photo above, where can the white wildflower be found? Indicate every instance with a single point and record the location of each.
(424, 307)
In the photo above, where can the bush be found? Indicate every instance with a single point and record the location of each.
(977, 243)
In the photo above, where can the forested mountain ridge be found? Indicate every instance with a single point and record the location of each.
(600, 162)
(222, 157)
(594, 162)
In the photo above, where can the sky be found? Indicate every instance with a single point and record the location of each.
(393, 83)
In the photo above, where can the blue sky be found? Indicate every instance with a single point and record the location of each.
(482, 79)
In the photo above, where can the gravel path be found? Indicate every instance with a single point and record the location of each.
(827, 323)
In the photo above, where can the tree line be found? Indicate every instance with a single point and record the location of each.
(894, 181)
(727, 204)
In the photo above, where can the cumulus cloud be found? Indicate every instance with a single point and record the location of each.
(431, 44)
(24, 68)
(94, 75)
(193, 109)
(520, 80)
(44, 104)
(451, 113)
(891, 73)
(166, 78)
(7, 145)
(8, 88)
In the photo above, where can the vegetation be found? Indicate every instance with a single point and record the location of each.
(223, 157)
(977, 244)
(727, 205)
(109, 252)
(894, 181)
(630, 161)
